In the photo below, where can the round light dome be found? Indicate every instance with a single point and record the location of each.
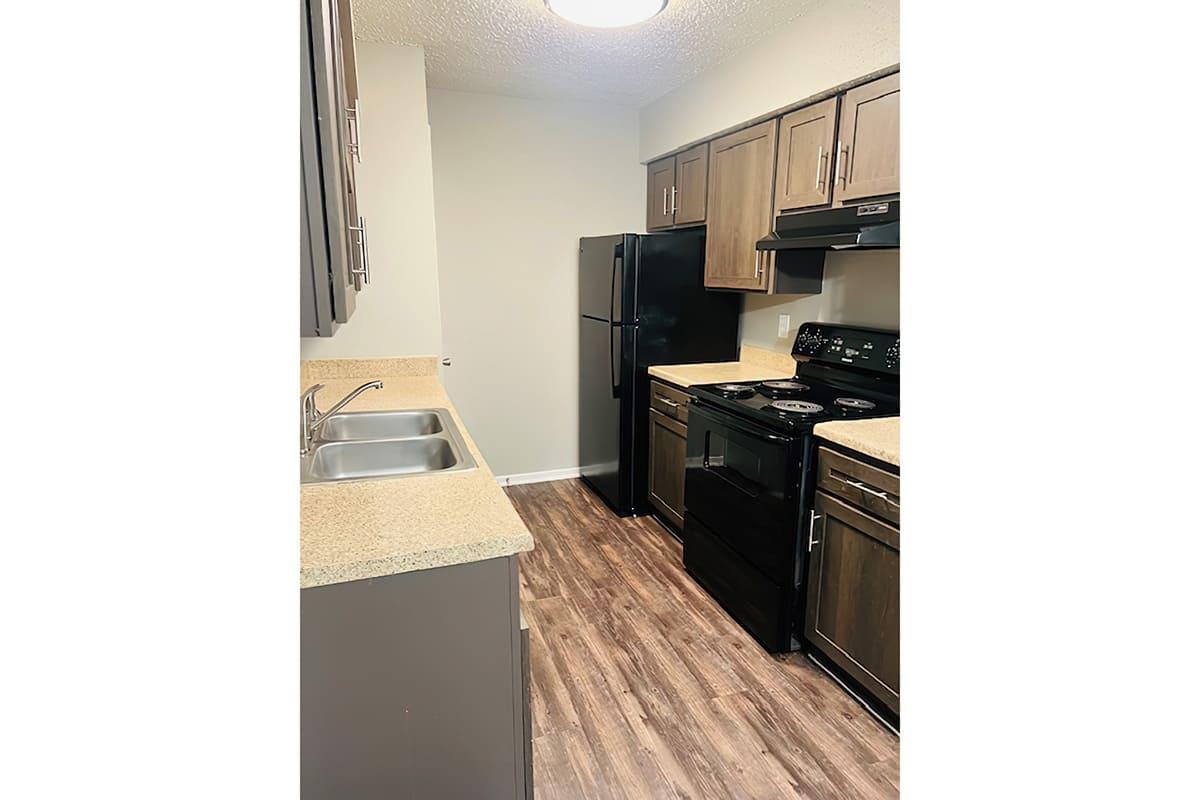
(606, 13)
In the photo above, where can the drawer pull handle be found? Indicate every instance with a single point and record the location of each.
(864, 488)
(665, 401)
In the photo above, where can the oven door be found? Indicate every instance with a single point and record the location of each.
(742, 483)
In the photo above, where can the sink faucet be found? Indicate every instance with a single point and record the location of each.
(311, 419)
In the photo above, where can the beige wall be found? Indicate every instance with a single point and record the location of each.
(517, 182)
(832, 42)
(859, 289)
(398, 314)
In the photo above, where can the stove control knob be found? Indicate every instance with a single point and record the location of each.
(892, 357)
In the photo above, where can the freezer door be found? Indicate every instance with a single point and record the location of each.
(605, 269)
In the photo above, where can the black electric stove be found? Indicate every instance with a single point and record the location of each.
(750, 471)
(803, 403)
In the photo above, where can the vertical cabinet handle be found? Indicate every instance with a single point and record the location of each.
(664, 201)
(820, 157)
(352, 124)
(674, 206)
(813, 516)
(364, 251)
(757, 262)
(838, 175)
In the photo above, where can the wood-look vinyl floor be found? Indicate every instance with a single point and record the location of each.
(643, 687)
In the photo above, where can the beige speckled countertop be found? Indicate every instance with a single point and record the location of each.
(367, 529)
(754, 364)
(878, 438)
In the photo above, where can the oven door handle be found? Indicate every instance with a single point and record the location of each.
(728, 422)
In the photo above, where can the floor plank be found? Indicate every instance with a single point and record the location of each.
(643, 687)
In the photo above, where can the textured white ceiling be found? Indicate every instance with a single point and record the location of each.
(518, 47)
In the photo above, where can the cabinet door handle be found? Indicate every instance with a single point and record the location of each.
(352, 124)
(674, 206)
(838, 175)
(664, 201)
(820, 157)
(813, 516)
(665, 401)
(364, 251)
(757, 262)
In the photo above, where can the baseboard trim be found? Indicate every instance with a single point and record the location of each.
(538, 477)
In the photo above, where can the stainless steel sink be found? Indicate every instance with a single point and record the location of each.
(385, 444)
(379, 425)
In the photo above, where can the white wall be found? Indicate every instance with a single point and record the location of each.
(517, 182)
(398, 314)
(832, 42)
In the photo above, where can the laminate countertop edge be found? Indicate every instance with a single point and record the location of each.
(878, 438)
(685, 375)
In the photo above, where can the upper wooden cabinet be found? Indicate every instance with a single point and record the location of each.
(868, 149)
(677, 189)
(660, 183)
(741, 171)
(806, 151)
(691, 184)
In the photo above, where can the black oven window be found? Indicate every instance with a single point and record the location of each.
(733, 462)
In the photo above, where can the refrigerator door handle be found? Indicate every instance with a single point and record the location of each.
(612, 287)
(612, 295)
(613, 332)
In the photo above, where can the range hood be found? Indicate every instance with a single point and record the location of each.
(865, 227)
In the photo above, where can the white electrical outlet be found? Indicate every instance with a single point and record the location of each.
(785, 325)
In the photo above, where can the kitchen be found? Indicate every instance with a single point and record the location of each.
(598, 419)
(734, 216)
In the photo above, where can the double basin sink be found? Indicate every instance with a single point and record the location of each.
(369, 445)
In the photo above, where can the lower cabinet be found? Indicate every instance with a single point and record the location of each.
(415, 685)
(668, 449)
(853, 604)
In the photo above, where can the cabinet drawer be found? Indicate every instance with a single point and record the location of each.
(669, 401)
(870, 488)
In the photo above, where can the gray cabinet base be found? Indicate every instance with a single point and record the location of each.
(411, 686)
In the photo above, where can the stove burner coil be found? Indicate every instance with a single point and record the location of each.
(784, 386)
(854, 402)
(797, 407)
(734, 389)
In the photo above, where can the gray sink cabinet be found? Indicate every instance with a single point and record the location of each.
(415, 686)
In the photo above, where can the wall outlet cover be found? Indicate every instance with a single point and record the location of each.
(785, 325)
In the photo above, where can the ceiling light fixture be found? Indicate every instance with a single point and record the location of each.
(606, 13)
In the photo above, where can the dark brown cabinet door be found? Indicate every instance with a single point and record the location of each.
(868, 150)
(668, 447)
(660, 185)
(691, 185)
(806, 145)
(741, 176)
(853, 614)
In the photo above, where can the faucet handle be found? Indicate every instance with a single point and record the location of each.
(308, 400)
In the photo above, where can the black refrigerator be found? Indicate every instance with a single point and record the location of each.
(642, 302)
